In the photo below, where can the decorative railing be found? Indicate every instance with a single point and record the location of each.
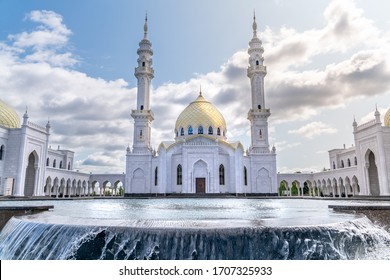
(367, 124)
(259, 110)
(142, 112)
(36, 126)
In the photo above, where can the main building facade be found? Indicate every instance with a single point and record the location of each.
(200, 159)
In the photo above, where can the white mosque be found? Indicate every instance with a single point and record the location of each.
(199, 160)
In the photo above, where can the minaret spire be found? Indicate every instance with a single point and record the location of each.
(146, 26)
(254, 25)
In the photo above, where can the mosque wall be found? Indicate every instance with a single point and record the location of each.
(173, 186)
(263, 173)
(138, 173)
(3, 151)
(386, 146)
(340, 158)
(246, 184)
(12, 154)
(62, 159)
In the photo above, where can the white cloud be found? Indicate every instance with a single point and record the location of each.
(314, 129)
(87, 114)
(45, 43)
(283, 145)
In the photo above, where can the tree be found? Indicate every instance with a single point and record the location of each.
(282, 188)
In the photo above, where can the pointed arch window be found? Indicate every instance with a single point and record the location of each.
(261, 134)
(47, 162)
(334, 165)
(181, 131)
(2, 152)
(190, 130)
(342, 164)
(155, 176)
(54, 163)
(140, 134)
(221, 175)
(245, 176)
(200, 130)
(61, 164)
(179, 175)
(349, 163)
(211, 130)
(355, 160)
(219, 131)
(69, 166)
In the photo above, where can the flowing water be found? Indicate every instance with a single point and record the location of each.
(193, 229)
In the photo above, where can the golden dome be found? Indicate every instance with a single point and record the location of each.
(201, 113)
(8, 116)
(387, 118)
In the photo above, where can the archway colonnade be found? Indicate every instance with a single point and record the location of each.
(74, 184)
(307, 185)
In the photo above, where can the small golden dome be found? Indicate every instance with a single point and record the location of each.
(201, 113)
(387, 118)
(8, 116)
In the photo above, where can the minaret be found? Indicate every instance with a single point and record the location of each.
(258, 114)
(143, 116)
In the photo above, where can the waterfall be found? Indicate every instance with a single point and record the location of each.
(355, 239)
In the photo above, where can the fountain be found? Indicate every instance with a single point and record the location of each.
(189, 228)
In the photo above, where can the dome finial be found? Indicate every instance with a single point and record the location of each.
(146, 26)
(200, 90)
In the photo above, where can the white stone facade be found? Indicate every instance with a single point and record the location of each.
(29, 167)
(22, 168)
(363, 169)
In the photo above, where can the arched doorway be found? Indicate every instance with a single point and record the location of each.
(283, 189)
(200, 175)
(138, 182)
(48, 186)
(307, 188)
(372, 172)
(295, 188)
(32, 167)
(263, 181)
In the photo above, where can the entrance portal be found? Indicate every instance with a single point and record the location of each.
(373, 175)
(29, 184)
(200, 185)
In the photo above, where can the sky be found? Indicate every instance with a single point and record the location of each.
(72, 62)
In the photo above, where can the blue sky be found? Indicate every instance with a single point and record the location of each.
(73, 62)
